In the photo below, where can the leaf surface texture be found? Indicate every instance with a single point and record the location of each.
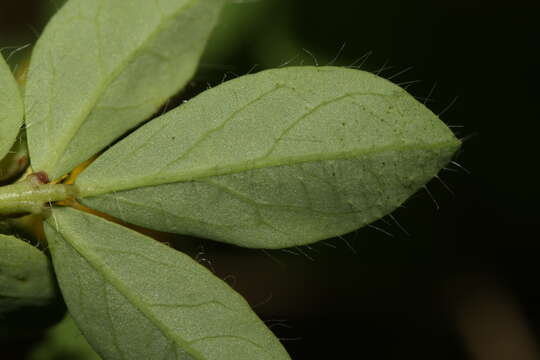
(135, 298)
(26, 277)
(102, 67)
(276, 159)
(11, 109)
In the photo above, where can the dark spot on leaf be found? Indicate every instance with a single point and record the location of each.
(42, 177)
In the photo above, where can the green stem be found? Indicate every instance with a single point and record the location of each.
(32, 195)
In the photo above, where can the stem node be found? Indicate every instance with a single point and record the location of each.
(32, 195)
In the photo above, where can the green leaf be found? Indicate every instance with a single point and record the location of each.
(63, 341)
(102, 67)
(11, 109)
(16, 160)
(135, 298)
(25, 275)
(276, 159)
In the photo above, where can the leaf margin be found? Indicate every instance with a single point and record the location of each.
(63, 216)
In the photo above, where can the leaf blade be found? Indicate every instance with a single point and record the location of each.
(25, 275)
(257, 94)
(133, 297)
(104, 60)
(11, 109)
(336, 148)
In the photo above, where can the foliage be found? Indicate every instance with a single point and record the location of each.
(271, 160)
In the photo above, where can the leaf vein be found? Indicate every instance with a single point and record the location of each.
(66, 138)
(100, 268)
(222, 124)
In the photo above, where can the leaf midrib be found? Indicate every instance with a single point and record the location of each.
(64, 141)
(157, 179)
(94, 262)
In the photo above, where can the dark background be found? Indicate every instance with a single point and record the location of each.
(462, 284)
